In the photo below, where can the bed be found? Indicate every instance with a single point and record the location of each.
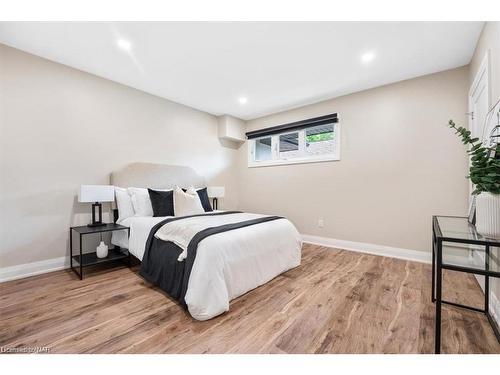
(206, 260)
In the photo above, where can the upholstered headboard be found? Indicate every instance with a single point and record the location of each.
(160, 176)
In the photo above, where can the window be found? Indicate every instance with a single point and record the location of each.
(263, 149)
(320, 140)
(292, 143)
(289, 145)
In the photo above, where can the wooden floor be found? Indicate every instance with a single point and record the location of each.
(335, 302)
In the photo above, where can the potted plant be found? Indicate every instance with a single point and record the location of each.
(484, 173)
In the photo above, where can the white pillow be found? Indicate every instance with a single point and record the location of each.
(124, 204)
(187, 203)
(141, 201)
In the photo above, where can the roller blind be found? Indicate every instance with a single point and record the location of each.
(327, 119)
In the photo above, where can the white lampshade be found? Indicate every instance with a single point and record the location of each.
(96, 193)
(216, 191)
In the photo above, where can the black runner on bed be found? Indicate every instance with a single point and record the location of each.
(160, 265)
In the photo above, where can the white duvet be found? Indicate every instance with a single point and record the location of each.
(227, 264)
(181, 232)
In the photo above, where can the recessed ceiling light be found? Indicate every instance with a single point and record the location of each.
(367, 57)
(242, 100)
(124, 44)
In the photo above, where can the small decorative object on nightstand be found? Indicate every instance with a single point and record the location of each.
(216, 192)
(96, 194)
(81, 260)
(102, 249)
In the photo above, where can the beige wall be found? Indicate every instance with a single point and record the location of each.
(489, 40)
(60, 127)
(400, 165)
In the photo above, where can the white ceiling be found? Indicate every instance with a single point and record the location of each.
(277, 66)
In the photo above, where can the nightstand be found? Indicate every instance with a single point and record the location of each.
(78, 262)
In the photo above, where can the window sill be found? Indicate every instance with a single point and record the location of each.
(270, 163)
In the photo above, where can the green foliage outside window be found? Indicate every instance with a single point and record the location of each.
(328, 136)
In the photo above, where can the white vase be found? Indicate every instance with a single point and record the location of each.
(488, 214)
(102, 250)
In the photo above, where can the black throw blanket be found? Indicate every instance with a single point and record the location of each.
(160, 265)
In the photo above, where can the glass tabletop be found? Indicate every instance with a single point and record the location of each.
(459, 228)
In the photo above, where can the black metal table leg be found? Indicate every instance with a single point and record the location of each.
(487, 281)
(433, 298)
(129, 255)
(71, 248)
(81, 259)
(437, 343)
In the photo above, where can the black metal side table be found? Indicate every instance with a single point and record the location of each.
(457, 246)
(90, 259)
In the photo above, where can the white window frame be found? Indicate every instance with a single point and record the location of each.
(300, 145)
(335, 156)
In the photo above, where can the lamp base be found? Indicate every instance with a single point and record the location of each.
(96, 222)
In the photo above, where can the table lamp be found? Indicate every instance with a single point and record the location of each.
(96, 194)
(216, 192)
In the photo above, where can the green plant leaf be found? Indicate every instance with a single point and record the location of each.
(484, 170)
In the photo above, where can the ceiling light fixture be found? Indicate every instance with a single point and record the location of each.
(124, 44)
(243, 100)
(367, 57)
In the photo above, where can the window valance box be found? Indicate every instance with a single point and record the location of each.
(327, 119)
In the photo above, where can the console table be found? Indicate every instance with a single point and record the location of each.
(457, 246)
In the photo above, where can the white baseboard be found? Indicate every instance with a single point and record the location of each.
(478, 257)
(386, 251)
(494, 307)
(31, 269)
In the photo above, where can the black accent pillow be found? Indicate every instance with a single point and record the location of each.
(162, 202)
(205, 202)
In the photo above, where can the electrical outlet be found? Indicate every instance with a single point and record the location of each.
(321, 223)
